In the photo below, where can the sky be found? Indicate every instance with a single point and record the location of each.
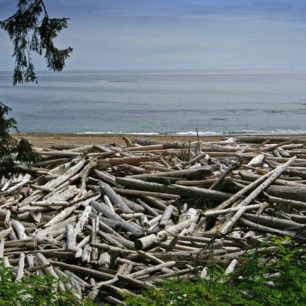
(175, 34)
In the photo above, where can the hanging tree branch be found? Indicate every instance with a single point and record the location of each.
(31, 30)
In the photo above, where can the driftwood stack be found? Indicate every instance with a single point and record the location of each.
(112, 218)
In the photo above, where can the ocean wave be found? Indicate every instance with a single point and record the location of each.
(120, 133)
(201, 133)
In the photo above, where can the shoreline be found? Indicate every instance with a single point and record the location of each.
(49, 139)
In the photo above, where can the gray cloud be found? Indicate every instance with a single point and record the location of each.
(179, 34)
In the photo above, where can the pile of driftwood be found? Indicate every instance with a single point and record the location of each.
(112, 218)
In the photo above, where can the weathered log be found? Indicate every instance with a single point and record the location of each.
(146, 148)
(24, 181)
(126, 160)
(287, 202)
(19, 228)
(166, 145)
(273, 175)
(152, 269)
(82, 270)
(274, 222)
(106, 177)
(257, 160)
(231, 267)
(192, 271)
(253, 177)
(82, 220)
(45, 262)
(104, 259)
(110, 214)
(20, 271)
(228, 225)
(70, 237)
(56, 229)
(266, 229)
(108, 248)
(290, 193)
(62, 215)
(174, 189)
(56, 182)
(160, 204)
(188, 173)
(114, 197)
(224, 174)
(86, 254)
(147, 194)
(147, 241)
(5, 232)
(135, 282)
(166, 216)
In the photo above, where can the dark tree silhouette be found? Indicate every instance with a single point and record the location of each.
(30, 30)
(11, 150)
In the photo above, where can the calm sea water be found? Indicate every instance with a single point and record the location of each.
(178, 102)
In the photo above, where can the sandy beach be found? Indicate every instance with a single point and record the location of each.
(47, 140)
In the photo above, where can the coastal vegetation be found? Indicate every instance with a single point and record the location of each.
(273, 274)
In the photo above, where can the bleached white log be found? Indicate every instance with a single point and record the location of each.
(275, 174)
(24, 181)
(231, 267)
(19, 228)
(108, 202)
(256, 161)
(5, 232)
(147, 241)
(6, 262)
(86, 254)
(64, 195)
(1, 248)
(62, 215)
(82, 220)
(56, 182)
(20, 271)
(166, 216)
(152, 269)
(45, 262)
(56, 229)
(104, 259)
(70, 237)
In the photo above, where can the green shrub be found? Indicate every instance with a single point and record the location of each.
(274, 274)
(37, 290)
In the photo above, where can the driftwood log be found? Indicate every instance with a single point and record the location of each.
(110, 218)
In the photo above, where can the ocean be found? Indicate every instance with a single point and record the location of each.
(160, 102)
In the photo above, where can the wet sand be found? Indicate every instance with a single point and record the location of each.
(47, 140)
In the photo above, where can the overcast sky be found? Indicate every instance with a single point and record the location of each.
(175, 34)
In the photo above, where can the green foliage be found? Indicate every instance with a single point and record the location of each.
(12, 150)
(254, 282)
(29, 33)
(38, 290)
